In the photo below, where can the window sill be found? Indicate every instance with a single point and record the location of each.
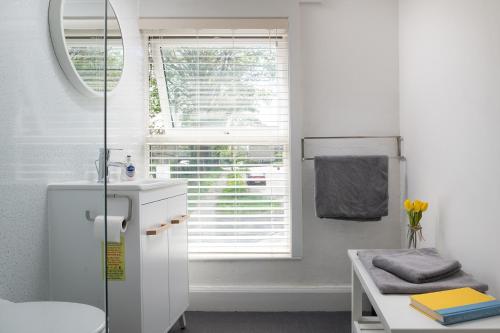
(241, 257)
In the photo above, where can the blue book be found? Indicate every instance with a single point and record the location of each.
(468, 312)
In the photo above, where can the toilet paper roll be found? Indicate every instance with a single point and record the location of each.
(116, 226)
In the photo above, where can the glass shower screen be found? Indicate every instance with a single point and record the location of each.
(52, 205)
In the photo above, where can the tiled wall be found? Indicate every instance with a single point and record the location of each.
(50, 133)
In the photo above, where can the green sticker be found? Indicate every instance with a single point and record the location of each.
(116, 260)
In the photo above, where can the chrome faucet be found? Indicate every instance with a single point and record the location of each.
(105, 163)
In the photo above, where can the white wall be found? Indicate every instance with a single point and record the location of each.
(349, 67)
(449, 81)
(49, 133)
(450, 118)
(347, 54)
(350, 85)
(126, 118)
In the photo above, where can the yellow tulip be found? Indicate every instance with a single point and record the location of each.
(408, 205)
(417, 205)
(425, 205)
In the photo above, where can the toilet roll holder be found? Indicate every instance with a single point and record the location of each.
(91, 218)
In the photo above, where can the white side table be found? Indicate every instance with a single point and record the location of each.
(394, 312)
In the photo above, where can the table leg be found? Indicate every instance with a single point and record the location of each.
(356, 299)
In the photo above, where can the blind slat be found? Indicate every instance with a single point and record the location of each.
(237, 223)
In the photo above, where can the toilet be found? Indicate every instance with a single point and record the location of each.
(50, 317)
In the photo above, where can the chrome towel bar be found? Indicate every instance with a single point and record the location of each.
(399, 140)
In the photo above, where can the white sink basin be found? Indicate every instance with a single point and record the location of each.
(134, 185)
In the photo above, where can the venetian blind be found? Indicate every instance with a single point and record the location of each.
(218, 111)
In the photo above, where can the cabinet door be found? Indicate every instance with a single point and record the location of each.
(155, 277)
(178, 253)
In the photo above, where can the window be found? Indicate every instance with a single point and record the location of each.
(218, 116)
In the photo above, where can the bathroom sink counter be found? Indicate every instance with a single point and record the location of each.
(149, 289)
(134, 185)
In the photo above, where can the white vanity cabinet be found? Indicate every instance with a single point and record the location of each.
(152, 295)
(163, 241)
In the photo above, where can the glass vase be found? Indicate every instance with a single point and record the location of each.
(414, 235)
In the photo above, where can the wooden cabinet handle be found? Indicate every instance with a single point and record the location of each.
(158, 230)
(179, 219)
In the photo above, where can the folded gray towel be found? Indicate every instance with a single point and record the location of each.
(351, 187)
(417, 266)
(389, 283)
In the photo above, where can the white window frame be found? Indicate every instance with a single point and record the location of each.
(294, 127)
(181, 135)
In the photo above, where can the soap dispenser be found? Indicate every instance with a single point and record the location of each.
(129, 168)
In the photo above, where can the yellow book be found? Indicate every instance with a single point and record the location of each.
(431, 303)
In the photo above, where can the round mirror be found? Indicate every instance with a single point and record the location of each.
(77, 29)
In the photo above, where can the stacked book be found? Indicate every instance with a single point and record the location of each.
(456, 305)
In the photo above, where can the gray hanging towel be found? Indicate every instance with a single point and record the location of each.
(352, 187)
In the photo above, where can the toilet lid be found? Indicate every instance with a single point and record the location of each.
(4, 302)
(51, 317)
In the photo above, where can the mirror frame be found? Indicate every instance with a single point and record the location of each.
(56, 27)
